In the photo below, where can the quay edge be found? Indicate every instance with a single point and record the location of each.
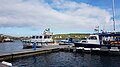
(66, 48)
(30, 52)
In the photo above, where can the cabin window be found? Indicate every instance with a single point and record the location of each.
(66, 38)
(117, 39)
(93, 38)
(45, 37)
(37, 37)
(70, 39)
(33, 37)
(83, 41)
(40, 37)
(48, 36)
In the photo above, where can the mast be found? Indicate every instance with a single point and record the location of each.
(113, 16)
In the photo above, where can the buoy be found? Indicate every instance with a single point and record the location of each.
(7, 63)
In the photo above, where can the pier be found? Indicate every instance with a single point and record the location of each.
(30, 52)
(100, 51)
(55, 48)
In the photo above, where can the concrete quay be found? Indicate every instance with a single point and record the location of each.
(102, 51)
(52, 48)
(30, 52)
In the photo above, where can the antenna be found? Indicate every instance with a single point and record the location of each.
(97, 29)
(113, 15)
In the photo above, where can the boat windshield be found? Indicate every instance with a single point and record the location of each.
(66, 39)
(92, 38)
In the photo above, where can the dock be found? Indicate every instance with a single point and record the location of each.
(102, 51)
(30, 52)
(54, 48)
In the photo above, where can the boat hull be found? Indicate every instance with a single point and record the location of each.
(65, 43)
(86, 45)
(29, 44)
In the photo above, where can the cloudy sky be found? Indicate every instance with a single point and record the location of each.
(30, 17)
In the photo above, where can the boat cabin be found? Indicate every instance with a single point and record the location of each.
(93, 39)
(42, 38)
(103, 39)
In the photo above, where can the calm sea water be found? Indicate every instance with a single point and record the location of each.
(11, 46)
(67, 59)
(60, 59)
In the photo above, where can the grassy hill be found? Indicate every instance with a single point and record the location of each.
(72, 35)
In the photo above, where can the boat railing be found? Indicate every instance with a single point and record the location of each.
(113, 42)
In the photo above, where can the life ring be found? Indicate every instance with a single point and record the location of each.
(116, 42)
(111, 42)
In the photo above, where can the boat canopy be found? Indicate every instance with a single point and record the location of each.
(109, 34)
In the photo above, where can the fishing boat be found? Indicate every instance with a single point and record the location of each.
(103, 40)
(40, 40)
(66, 41)
(6, 39)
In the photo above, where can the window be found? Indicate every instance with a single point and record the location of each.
(33, 37)
(40, 37)
(48, 36)
(45, 37)
(92, 38)
(66, 39)
(37, 37)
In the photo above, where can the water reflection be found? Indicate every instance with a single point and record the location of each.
(65, 59)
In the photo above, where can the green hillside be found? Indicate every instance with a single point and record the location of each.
(73, 35)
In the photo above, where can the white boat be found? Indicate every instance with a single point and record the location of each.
(105, 40)
(43, 40)
(8, 39)
(66, 41)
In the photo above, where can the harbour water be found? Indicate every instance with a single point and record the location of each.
(11, 46)
(59, 59)
(67, 59)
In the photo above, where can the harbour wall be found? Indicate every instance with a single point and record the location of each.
(31, 52)
(56, 48)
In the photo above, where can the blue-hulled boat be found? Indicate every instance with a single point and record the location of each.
(107, 40)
